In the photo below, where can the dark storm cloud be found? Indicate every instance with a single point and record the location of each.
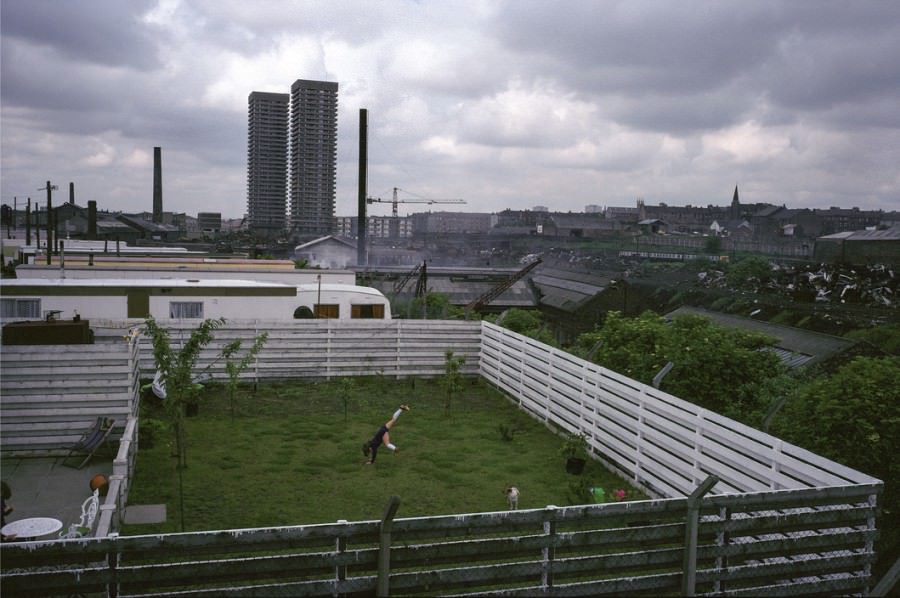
(561, 103)
(641, 47)
(77, 63)
(702, 64)
(106, 32)
(817, 72)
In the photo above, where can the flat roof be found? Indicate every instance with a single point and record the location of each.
(336, 286)
(178, 263)
(139, 282)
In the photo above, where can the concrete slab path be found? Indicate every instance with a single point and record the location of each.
(44, 487)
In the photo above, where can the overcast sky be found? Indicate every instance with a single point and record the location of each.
(503, 104)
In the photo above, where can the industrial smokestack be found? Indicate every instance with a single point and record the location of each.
(92, 220)
(49, 222)
(72, 193)
(157, 185)
(28, 222)
(361, 205)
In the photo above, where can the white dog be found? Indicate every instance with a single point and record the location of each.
(512, 497)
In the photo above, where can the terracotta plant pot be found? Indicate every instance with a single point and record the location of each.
(100, 482)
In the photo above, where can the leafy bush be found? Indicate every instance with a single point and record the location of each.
(720, 304)
(721, 369)
(150, 432)
(885, 337)
(574, 446)
(749, 273)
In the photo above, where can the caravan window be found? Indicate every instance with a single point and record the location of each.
(20, 308)
(185, 309)
(367, 311)
(325, 310)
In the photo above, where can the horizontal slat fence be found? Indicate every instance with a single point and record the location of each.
(51, 394)
(664, 444)
(612, 549)
(328, 348)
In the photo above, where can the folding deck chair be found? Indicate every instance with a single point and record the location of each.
(92, 440)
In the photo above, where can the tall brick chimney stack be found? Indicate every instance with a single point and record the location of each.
(157, 185)
(92, 220)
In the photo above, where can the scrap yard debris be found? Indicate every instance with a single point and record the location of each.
(861, 285)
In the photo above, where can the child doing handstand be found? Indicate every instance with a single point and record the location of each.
(382, 436)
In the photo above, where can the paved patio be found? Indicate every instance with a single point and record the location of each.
(44, 487)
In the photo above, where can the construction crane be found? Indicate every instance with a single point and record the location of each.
(396, 201)
(498, 290)
(420, 272)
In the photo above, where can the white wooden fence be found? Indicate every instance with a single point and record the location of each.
(331, 348)
(664, 444)
(51, 394)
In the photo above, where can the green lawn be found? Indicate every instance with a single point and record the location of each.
(289, 457)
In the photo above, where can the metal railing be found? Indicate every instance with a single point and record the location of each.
(762, 542)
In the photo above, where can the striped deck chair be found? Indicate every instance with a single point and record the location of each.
(92, 440)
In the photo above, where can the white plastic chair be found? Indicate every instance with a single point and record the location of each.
(83, 527)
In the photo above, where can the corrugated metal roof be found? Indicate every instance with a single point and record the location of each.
(884, 234)
(567, 290)
(583, 288)
(791, 359)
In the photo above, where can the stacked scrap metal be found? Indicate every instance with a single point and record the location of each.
(862, 285)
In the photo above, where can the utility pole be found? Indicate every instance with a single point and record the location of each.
(361, 257)
(12, 218)
(37, 230)
(50, 188)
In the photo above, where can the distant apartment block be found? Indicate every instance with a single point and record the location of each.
(621, 213)
(452, 222)
(380, 227)
(209, 221)
(313, 147)
(267, 131)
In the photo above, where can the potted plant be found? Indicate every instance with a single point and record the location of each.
(574, 449)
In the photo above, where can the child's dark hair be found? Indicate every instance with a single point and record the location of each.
(6, 492)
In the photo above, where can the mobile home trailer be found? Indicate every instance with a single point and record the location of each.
(211, 268)
(177, 299)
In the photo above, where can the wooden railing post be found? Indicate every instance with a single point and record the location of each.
(384, 549)
(112, 561)
(691, 525)
(340, 571)
(723, 538)
(549, 551)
